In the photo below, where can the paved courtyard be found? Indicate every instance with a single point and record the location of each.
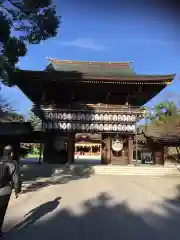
(98, 207)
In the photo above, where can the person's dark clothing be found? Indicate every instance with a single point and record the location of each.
(14, 183)
(4, 200)
(5, 192)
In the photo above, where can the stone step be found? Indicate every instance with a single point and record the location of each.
(133, 170)
(136, 173)
(111, 170)
(59, 170)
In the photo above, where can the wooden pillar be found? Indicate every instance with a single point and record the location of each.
(70, 148)
(103, 149)
(108, 145)
(130, 150)
(16, 150)
(91, 151)
(159, 156)
(106, 149)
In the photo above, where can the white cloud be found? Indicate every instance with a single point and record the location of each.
(85, 43)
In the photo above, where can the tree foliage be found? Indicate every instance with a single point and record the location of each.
(6, 112)
(23, 22)
(33, 119)
(165, 112)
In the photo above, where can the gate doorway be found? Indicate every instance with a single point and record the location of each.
(87, 148)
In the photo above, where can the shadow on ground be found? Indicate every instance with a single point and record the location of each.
(39, 176)
(100, 218)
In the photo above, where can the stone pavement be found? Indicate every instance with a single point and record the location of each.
(98, 207)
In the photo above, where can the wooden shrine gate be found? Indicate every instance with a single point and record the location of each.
(116, 127)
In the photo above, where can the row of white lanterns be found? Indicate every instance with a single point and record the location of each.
(91, 127)
(91, 117)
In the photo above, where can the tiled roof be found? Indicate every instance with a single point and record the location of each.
(141, 138)
(95, 68)
(163, 132)
(6, 116)
(14, 128)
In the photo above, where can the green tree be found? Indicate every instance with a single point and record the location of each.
(165, 112)
(5, 110)
(34, 120)
(168, 115)
(23, 22)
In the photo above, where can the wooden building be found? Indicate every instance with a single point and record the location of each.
(153, 140)
(89, 97)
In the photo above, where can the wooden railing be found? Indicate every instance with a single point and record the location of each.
(95, 107)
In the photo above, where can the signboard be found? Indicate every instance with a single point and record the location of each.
(117, 145)
(89, 122)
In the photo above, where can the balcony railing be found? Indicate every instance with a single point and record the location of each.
(95, 108)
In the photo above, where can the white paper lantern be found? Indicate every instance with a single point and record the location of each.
(101, 117)
(128, 128)
(133, 118)
(83, 127)
(74, 126)
(115, 118)
(95, 127)
(92, 126)
(120, 118)
(69, 126)
(110, 127)
(105, 117)
(50, 116)
(92, 117)
(73, 115)
(106, 128)
(69, 116)
(128, 117)
(119, 127)
(96, 117)
(123, 128)
(115, 128)
(82, 116)
(110, 117)
(133, 128)
(101, 127)
(64, 126)
(87, 126)
(124, 118)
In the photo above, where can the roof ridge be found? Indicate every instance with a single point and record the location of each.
(53, 60)
(156, 75)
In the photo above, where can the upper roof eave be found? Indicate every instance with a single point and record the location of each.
(48, 75)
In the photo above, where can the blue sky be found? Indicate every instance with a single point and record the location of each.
(148, 35)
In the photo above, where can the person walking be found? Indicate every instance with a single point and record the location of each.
(9, 179)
